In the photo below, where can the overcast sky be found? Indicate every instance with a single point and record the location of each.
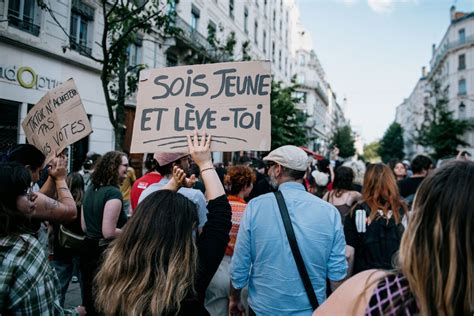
(372, 51)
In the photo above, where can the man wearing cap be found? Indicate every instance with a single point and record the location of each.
(166, 162)
(263, 259)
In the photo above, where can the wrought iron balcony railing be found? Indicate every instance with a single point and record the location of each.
(81, 48)
(196, 40)
(443, 51)
(25, 24)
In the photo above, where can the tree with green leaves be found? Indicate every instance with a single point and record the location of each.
(343, 138)
(441, 131)
(391, 145)
(222, 46)
(124, 21)
(371, 151)
(288, 122)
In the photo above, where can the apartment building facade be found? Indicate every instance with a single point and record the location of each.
(452, 66)
(36, 55)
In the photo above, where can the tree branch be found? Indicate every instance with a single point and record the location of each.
(129, 15)
(111, 9)
(133, 27)
(106, 69)
(46, 7)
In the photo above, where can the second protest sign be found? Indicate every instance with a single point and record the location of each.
(230, 101)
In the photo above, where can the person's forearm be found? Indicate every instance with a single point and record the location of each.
(234, 293)
(335, 284)
(211, 181)
(49, 188)
(350, 260)
(118, 231)
(66, 199)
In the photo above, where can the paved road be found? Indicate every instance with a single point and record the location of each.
(73, 296)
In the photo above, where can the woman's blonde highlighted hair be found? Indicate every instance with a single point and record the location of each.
(151, 267)
(436, 252)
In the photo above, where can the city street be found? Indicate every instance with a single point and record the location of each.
(73, 296)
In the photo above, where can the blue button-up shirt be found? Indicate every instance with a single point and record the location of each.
(196, 196)
(263, 259)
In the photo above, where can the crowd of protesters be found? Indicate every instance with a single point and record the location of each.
(285, 235)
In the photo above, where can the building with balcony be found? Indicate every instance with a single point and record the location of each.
(36, 55)
(452, 66)
(411, 114)
(316, 97)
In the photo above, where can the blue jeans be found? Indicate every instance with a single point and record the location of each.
(65, 269)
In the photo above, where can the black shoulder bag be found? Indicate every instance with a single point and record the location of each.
(308, 286)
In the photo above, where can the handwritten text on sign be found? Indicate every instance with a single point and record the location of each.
(57, 120)
(231, 101)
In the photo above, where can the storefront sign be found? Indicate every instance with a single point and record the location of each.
(57, 120)
(230, 101)
(27, 77)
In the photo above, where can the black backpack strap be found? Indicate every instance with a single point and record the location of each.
(308, 286)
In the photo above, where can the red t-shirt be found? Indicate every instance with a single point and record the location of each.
(141, 184)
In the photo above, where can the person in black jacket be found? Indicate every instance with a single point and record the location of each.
(160, 265)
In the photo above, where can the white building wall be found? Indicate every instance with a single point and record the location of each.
(411, 115)
(445, 68)
(50, 55)
(45, 56)
(218, 12)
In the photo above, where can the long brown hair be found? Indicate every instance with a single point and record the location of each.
(343, 179)
(151, 267)
(436, 252)
(106, 169)
(15, 180)
(380, 191)
(75, 182)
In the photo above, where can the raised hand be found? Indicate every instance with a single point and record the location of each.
(179, 176)
(200, 150)
(178, 180)
(58, 168)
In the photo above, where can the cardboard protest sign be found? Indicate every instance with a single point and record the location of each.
(230, 101)
(57, 120)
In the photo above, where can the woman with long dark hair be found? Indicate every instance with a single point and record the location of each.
(342, 196)
(159, 265)
(374, 226)
(62, 209)
(398, 168)
(435, 270)
(28, 284)
(102, 218)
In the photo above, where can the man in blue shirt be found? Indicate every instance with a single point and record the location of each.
(262, 257)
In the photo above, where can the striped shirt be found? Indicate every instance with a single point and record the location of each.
(28, 284)
(238, 207)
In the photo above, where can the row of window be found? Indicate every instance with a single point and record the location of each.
(26, 15)
(265, 10)
(212, 29)
(195, 15)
